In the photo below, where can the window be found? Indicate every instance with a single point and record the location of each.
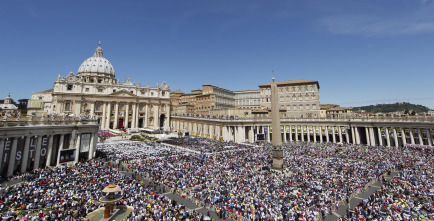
(114, 90)
(69, 87)
(98, 107)
(163, 93)
(99, 80)
(87, 89)
(152, 93)
(99, 90)
(67, 106)
(40, 98)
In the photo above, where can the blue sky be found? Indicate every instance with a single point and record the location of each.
(361, 52)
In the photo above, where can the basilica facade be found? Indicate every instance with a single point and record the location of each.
(116, 104)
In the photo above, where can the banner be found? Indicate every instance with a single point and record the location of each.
(32, 148)
(20, 151)
(44, 151)
(85, 143)
(6, 154)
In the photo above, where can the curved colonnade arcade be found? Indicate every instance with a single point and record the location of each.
(368, 131)
(28, 144)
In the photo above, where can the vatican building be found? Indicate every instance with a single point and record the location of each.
(117, 105)
(219, 113)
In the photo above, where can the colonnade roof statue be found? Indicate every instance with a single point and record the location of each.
(97, 64)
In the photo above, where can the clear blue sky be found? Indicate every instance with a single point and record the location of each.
(361, 52)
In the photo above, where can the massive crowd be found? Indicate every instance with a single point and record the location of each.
(235, 181)
(204, 145)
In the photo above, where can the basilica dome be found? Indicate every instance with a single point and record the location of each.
(96, 64)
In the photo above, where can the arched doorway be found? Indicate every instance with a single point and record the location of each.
(162, 119)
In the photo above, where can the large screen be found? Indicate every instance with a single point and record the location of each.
(260, 137)
(67, 155)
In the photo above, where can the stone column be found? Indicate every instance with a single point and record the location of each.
(314, 133)
(372, 135)
(302, 133)
(411, 136)
(38, 152)
(50, 149)
(225, 133)
(116, 123)
(308, 133)
(156, 116)
(92, 108)
(109, 111)
(380, 137)
(386, 131)
(353, 136)
(77, 147)
(284, 134)
(420, 136)
(395, 137)
(104, 116)
(146, 119)
(334, 134)
(320, 134)
(25, 155)
(252, 135)
(136, 119)
(127, 115)
(428, 136)
(327, 134)
(296, 133)
(167, 120)
(404, 141)
(93, 139)
(347, 135)
(340, 134)
(133, 120)
(12, 157)
(290, 134)
(356, 131)
(268, 134)
(368, 139)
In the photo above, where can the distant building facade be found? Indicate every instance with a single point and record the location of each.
(208, 98)
(297, 98)
(117, 104)
(248, 99)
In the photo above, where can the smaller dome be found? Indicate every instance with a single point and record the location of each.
(96, 64)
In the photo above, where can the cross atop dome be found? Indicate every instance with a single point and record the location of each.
(98, 51)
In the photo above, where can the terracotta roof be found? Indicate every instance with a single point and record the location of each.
(300, 81)
(177, 91)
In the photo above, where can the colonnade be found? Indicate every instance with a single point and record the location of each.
(121, 114)
(372, 134)
(38, 149)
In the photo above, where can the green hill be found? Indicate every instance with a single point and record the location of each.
(400, 106)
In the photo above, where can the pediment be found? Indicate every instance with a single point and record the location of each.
(123, 93)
